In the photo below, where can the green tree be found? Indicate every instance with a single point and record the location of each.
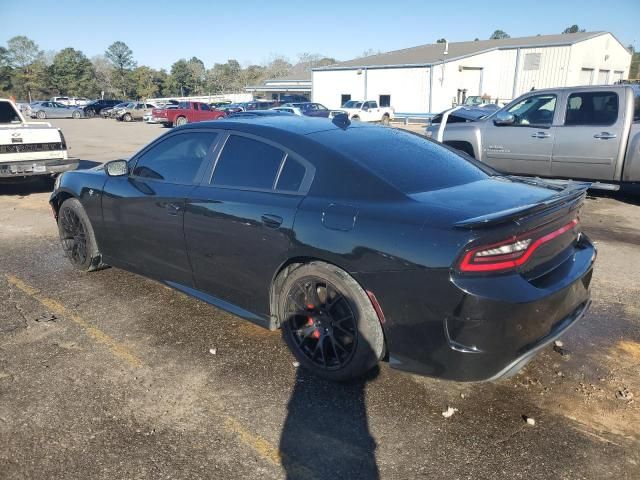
(28, 70)
(147, 82)
(499, 34)
(180, 78)
(197, 76)
(6, 72)
(441, 40)
(573, 29)
(72, 73)
(121, 58)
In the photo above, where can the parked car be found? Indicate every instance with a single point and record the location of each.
(257, 105)
(134, 111)
(94, 108)
(397, 248)
(71, 101)
(293, 99)
(30, 148)
(365, 111)
(590, 133)
(230, 108)
(288, 109)
(187, 112)
(44, 110)
(310, 109)
(108, 111)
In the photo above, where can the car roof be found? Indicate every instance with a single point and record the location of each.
(261, 123)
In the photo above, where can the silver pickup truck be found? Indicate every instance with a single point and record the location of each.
(587, 133)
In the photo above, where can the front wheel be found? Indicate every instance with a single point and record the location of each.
(75, 115)
(90, 113)
(181, 121)
(127, 117)
(41, 115)
(77, 237)
(329, 323)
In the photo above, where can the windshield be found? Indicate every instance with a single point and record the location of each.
(352, 104)
(8, 114)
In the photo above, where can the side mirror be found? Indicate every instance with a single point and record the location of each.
(504, 118)
(117, 168)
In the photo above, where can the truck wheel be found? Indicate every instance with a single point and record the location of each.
(355, 118)
(181, 121)
(329, 323)
(75, 115)
(385, 119)
(127, 117)
(41, 115)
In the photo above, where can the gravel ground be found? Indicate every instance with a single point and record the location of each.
(109, 375)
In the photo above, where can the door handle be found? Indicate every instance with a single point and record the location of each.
(540, 135)
(271, 221)
(604, 135)
(173, 208)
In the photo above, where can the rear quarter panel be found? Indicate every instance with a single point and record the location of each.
(631, 167)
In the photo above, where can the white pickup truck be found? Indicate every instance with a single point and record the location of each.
(366, 111)
(30, 148)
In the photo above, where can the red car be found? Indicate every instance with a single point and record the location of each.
(187, 112)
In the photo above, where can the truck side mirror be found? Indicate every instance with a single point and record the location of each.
(504, 118)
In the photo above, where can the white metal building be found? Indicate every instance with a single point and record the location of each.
(431, 78)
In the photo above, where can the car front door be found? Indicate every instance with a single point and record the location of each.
(590, 141)
(525, 145)
(143, 213)
(239, 224)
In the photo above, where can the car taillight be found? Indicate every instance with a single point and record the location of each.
(63, 141)
(510, 253)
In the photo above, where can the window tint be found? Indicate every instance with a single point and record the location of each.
(385, 100)
(8, 114)
(409, 162)
(204, 106)
(176, 159)
(291, 176)
(636, 108)
(247, 163)
(535, 110)
(592, 108)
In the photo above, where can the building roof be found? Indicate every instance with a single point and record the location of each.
(433, 53)
(301, 76)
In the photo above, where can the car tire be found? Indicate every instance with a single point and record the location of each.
(75, 115)
(90, 113)
(41, 115)
(385, 119)
(335, 334)
(355, 118)
(181, 121)
(127, 117)
(77, 237)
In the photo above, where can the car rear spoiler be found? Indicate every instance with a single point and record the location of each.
(568, 195)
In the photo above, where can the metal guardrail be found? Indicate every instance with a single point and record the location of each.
(414, 118)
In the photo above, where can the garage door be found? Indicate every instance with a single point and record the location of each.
(586, 76)
(471, 81)
(603, 77)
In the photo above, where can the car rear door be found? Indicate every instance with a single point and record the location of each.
(143, 213)
(239, 222)
(590, 140)
(526, 145)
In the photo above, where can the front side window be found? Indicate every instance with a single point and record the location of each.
(204, 106)
(536, 110)
(176, 159)
(247, 163)
(592, 108)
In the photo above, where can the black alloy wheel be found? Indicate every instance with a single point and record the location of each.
(322, 322)
(73, 236)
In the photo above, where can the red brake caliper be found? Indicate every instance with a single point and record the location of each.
(316, 333)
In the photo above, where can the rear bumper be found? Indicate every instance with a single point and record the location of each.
(477, 328)
(27, 168)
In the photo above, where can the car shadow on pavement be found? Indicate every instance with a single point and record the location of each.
(326, 432)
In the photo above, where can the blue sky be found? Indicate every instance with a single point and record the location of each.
(160, 32)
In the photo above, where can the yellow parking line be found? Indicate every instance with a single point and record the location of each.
(265, 449)
(94, 332)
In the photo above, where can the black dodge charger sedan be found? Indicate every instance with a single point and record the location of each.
(362, 243)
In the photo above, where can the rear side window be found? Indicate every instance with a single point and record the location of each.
(291, 176)
(409, 162)
(247, 163)
(176, 159)
(592, 108)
